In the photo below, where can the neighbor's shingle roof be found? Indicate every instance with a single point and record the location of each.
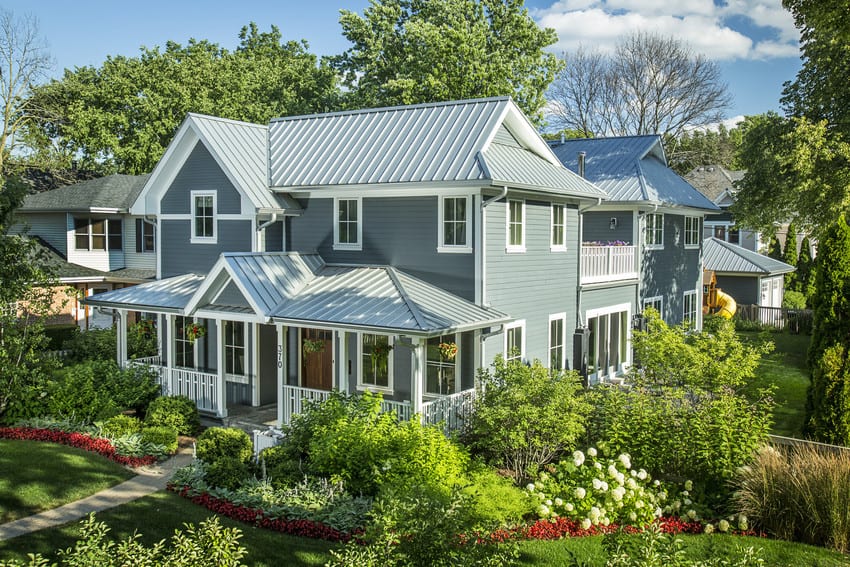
(723, 257)
(631, 168)
(713, 180)
(116, 192)
(423, 143)
(68, 272)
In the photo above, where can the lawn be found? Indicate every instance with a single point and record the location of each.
(158, 515)
(29, 472)
(785, 368)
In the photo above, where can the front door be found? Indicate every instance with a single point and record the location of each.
(316, 359)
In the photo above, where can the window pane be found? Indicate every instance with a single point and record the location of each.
(81, 234)
(376, 355)
(514, 343)
(115, 236)
(148, 239)
(556, 342)
(98, 233)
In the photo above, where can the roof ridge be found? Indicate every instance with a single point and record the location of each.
(212, 118)
(414, 309)
(399, 107)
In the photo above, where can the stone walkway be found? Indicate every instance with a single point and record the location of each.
(149, 480)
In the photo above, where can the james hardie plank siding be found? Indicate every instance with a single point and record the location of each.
(51, 227)
(200, 172)
(597, 226)
(133, 259)
(672, 271)
(399, 231)
(179, 256)
(534, 284)
(598, 297)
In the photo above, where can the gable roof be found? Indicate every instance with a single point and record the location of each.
(723, 257)
(110, 194)
(631, 169)
(447, 142)
(714, 181)
(239, 148)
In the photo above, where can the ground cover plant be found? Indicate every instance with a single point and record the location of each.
(39, 476)
(84, 441)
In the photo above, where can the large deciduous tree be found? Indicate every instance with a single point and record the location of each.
(121, 116)
(651, 84)
(412, 51)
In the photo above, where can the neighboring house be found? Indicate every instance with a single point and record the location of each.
(341, 250)
(651, 215)
(92, 241)
(749, 277)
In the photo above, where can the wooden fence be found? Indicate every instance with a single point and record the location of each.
(795, 320)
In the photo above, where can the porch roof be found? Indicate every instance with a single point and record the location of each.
(161, 296)
(725, 258)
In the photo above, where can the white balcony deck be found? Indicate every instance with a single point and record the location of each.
(608, 263)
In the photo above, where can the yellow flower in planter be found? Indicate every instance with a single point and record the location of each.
(195, 332)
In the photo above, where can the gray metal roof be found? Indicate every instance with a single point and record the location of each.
(723, 257)
(631, 168)
(115, 192)
(425, 143)
(168, 295)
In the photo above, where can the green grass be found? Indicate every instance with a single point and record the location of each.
(785, 368)
(36, 476)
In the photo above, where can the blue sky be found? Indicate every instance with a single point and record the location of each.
(754, 41)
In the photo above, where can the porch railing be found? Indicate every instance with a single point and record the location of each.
(200, 387)
(453, 410)
(607, 263)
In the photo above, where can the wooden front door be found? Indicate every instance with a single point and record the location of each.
(316, 359)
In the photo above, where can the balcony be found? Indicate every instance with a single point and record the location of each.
(601, 263)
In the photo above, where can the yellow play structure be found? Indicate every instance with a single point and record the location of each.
(714, 300)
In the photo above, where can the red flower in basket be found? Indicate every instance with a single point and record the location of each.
(194, 332)
(448, 350)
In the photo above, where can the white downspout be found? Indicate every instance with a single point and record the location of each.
(484, 203)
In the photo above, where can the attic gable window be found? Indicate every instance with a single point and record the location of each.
(455, 222)
(348, 227)
(203, 217)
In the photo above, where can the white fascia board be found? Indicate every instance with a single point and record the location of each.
(167, 168)
(448, 188)
(211, 281)
(527, 135)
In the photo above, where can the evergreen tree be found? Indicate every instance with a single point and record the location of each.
(774, 249)
(790, 257)
(828, 399)
(805, 271)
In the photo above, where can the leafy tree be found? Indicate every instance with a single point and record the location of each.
(790, 257)
(527, 416)
(121, 115)
(652, 84)
(410, 51)
(704, 147)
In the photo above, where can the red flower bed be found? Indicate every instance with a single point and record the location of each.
(79, 440)
(259, 518)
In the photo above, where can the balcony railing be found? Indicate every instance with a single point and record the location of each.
(607, 263)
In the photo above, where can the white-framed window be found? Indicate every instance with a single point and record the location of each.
(515, 340)
(558, 242)
(656, 302)
(608, 347)
(689, 309)
(203, 217)
(654, 231)
(234, 348)
(348, 225)
(692, 232)
(455, 222)
(442, 377)
(184, 349)
(145, 236)
(516, 226)
(557, 340)
(376, 362)
(98, 234)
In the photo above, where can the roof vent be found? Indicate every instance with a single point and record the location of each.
(581, 158)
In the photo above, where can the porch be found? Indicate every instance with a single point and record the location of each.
(600, 263)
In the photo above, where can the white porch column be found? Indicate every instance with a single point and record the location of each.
(342, 380)
(121, 336)
(169, 351)
(417, 378)
(281, 371)
(221, 390)
(255, 378)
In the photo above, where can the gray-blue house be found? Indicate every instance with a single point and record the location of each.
(358, 251)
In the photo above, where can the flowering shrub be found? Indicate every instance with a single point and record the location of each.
(595, 491)
(83, 441)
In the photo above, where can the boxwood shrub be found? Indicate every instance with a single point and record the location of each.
(217, 443)
(177, 411)
(164, 435)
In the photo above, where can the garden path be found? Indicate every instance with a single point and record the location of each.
(148, 480)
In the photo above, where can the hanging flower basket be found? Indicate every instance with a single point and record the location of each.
(194, 332)
(379, 356)
(310, 346)
(448, 350)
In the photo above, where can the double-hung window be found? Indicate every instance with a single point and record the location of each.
(98, 234)
(515, 341)
(184, 347)
(348, 225)
(203, 217)
(455, 225)
(656, 302)
(654, 231)
(557, 327)
(441, 367)
(559, 228)
(516, 226)
(689, 309)
(692, 232)
(234, 348)
(376, 361)
(145, 236)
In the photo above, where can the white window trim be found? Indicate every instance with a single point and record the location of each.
(647, 301)
(646, 231)
(457, 362)
(521, 324)
(347, 245)
(146, 223)
(695, 320)
(203, 239)
(511, 248)
(697, 232)
(611, 309)
(240, 378)
(557, 247)
(361, 386)
(444, 248)
(563, 318)
(195, 354)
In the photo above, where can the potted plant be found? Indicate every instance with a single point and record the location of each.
(448, 350)
(379, 356)
(311, 346)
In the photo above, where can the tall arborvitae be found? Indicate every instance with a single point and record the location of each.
(828, 400)
(805, 271)
(790, 257)
(774, 249)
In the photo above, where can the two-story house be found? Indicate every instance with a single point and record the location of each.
(92, 241)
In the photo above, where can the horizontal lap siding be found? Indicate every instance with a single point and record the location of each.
(51, 227)
(133, 259)
(179, 256)
(200, 172)
(605, 297)
(672, 271)
(534, 284)
(596, 226)
(745, 290)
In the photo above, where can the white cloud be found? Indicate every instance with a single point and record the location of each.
(707, 28)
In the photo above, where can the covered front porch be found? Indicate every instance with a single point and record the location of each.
(287, 329)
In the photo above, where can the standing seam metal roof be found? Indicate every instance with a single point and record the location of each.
(720, 256)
